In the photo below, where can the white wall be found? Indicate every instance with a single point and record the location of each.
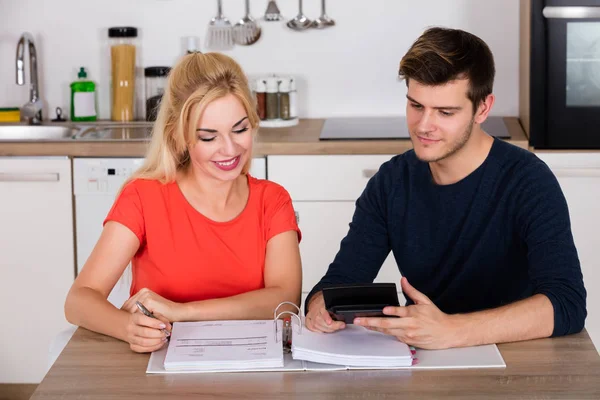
(350, 69)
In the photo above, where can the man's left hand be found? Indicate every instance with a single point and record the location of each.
(421, 325)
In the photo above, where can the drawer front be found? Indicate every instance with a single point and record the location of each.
(328, 177)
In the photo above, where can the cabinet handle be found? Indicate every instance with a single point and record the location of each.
(368, 173)
(571, 12)
(297, 217)
(26, 177)
(577, 172)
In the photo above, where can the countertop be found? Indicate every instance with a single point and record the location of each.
(94, 366)
(300, 139)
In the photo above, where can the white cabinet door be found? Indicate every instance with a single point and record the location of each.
(259, 168)
(36, 262)
(328, 177)
(579, 178)
(323, 226)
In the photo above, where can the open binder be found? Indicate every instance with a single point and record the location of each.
(277, 345)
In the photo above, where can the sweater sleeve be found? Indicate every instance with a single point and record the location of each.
(554, 269)
(366, 245)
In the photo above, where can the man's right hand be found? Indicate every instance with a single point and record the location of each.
(318, 319)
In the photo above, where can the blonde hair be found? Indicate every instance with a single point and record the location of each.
(197, 79)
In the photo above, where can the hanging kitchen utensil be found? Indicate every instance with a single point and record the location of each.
(323, 21)
(272, 13)
(246, 31)
(300, 22)
(219, 35)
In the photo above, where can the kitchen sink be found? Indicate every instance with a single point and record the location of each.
(110, 132)
(36, 132)
(115, 132)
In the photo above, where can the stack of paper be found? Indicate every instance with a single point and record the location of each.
(353, 346)
(223, 345)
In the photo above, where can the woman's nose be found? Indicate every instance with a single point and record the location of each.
(229, 146)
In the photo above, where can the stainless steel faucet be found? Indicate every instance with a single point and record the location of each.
(32, 110)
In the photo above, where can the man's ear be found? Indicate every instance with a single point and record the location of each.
(484, 109)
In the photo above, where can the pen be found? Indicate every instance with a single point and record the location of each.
(147, 313)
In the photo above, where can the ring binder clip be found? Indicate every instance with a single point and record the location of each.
(281, 304)
(286, 329)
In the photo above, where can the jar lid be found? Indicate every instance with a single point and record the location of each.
(284, 85)
(122, 31)
(155, 72)
(272, 85)
(261, 85)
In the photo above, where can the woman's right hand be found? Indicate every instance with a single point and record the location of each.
(144, 334)
(318, 319)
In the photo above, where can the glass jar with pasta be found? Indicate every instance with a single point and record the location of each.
(122, 43)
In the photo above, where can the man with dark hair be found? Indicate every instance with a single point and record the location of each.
(479, 227)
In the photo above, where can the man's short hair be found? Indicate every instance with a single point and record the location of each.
(441, 55)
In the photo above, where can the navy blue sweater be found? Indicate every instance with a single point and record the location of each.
(497, 236)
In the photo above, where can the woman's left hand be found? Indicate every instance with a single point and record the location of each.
(156, 304)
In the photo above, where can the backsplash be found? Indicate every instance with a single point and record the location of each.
(346, 70)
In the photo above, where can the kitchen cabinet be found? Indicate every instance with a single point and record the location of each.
(258, 168)
(324, 190)
(578, 174)
(323, 226)
(36, 261)
(326, 177)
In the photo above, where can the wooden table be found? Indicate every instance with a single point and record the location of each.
(94, 366)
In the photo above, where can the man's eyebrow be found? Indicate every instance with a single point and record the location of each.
(413, 100)
(215, 131)
(435, 108)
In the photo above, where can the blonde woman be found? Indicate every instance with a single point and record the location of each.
(207, 241)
